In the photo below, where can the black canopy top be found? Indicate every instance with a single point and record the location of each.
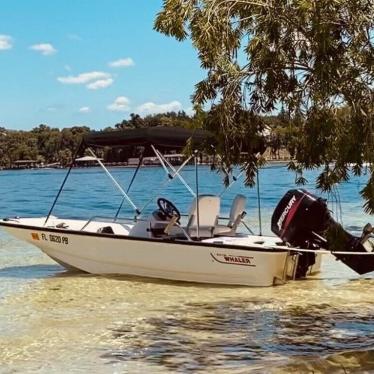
(160, 137)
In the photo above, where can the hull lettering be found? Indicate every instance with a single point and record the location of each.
(233, 260)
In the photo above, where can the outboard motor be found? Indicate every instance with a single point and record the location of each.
(303, 220)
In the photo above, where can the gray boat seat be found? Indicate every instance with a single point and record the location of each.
(237, 212)
(208, 217)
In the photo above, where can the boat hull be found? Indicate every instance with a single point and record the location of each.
(173, 260)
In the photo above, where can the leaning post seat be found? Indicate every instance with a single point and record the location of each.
(208, 216)
(237, 212)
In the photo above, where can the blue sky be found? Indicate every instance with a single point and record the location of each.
(92, 62)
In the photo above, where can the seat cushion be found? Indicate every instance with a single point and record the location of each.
(223, 230)
(204, 232)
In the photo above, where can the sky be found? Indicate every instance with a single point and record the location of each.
(89, 62)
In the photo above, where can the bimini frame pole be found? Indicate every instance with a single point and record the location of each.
(168, 180)
(197, 196)
(115, 182)
(176, 173)
(234, 180)
(259, 200)
(63, 182)
(128, 188)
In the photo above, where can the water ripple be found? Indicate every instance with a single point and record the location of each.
(196, 337)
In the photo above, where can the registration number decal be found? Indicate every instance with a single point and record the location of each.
(50, 238)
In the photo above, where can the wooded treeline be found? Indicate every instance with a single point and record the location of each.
(42, 144)
(48, 145)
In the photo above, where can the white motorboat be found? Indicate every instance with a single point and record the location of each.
(199, 247)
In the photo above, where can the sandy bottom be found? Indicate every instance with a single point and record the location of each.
(51, 321)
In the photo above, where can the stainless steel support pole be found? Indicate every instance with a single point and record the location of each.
(114, 181)
(197, 197)
(259, 200)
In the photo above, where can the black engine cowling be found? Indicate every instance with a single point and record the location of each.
(303, 220)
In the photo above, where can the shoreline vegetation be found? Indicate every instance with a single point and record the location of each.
(49, 147)
(32, 166)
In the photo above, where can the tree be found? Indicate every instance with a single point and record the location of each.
(65, 157)
(172, 119)
(72, 137)
(48, 142)
(313, 58)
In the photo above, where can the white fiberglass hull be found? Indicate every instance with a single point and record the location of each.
(173, 260)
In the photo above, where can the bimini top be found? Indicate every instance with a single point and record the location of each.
(160, 137)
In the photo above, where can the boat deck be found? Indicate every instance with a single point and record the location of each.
(123, 229)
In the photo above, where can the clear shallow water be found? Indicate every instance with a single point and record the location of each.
(52, 321)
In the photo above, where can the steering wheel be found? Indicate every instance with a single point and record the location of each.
(168, 208)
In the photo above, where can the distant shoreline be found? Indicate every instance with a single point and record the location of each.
(268, 163)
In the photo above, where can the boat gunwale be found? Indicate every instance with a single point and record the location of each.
(135, 238)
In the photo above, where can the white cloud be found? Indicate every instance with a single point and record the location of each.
(190, 111)
(152, 108)
(93, 80)
(102, 83)
(46, 49)
(85, 109)
(6, 42)
(121, 104)
(122, 63)
(84, 78)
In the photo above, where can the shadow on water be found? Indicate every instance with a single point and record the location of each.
(345, 362)
(31, 271)
(40, 271)
(198, 336)
(158, 281)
